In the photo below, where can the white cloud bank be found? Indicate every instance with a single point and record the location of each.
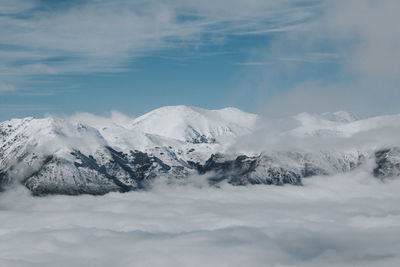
(346, 220)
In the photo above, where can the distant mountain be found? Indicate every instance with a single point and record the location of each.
(88, 154)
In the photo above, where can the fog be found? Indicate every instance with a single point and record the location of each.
(342, 220)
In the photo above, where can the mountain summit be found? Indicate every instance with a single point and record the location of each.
(193, 124)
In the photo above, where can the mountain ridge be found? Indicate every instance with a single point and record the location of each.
(89, 154)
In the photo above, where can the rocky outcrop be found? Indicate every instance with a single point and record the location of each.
(124, 172)
(275, 169)
(387, 163)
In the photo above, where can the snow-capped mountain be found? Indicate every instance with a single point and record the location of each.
(195, 125)
(89, 154)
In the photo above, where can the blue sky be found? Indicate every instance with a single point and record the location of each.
(263, 56)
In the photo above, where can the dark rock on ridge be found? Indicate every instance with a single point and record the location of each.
(387, 163)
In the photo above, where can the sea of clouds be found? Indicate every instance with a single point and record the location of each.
(351, 219)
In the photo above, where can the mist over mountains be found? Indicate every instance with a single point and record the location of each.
(84, 153)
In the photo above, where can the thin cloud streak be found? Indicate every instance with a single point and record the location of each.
(5, 87)
(254, 63)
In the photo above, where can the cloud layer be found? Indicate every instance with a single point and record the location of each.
(348, 220)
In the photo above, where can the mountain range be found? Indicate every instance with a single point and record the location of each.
(84, 153)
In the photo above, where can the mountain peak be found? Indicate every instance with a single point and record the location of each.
(188, 123)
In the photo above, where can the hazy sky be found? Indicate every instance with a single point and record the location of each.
(265, 56)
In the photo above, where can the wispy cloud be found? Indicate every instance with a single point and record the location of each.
(6, 87)
(312, 57)
(105, 36)
(376, 50)
(254, 63)
(345, 57)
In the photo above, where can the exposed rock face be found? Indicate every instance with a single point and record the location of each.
(123, 172)
(387, 163)
(137, 170)
(276, 169)
(246, 170)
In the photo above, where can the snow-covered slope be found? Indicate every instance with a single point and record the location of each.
(195, 125)
(89, 154)
(345, 125)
